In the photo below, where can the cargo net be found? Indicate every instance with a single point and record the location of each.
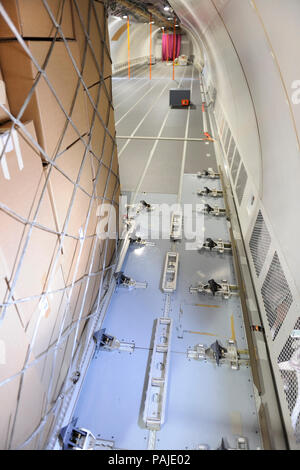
(59, 193)
(289, 365)
(276, 295)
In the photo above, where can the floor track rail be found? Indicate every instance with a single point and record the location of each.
(155, 403)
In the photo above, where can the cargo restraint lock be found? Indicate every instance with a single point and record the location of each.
(241, 444)
(210, 192)
(138, 241)
(133, 210)
(128, 283)
(216, 245)
(217, 354)
(209, 173)
(76, 438)
(215, 211)
(105, 342)
(214, 288)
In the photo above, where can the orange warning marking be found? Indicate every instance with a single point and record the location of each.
(208, 137)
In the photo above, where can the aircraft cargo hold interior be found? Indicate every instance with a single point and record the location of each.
(149, 277)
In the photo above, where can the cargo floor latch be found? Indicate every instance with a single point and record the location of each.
(134, 210)
(214, 288)
(241, 444)
(105, 342)
(215, 211)
(210, 192)
(129, 283)
(140, 242)
(216, 245)
(76, 438)
(220, 355)
(210, 173)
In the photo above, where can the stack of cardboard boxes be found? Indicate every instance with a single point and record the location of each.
(71, 124)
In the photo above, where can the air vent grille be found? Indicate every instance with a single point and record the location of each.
(235, 165)
(231, 151)
(288, 363)
(276, 295)
(241, 183)
(222, 124)
(218, 115)
(224, 131)
(259, 243)
(213, 94)
(227, 141)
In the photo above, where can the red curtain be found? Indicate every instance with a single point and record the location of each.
(168, 44)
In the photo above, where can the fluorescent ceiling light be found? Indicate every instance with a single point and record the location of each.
(166, 8)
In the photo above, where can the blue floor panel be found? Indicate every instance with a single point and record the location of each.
(205, 403)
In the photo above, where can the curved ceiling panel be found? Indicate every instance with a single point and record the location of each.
(251, 50)
(225, 70)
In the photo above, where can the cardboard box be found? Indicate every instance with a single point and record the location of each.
(30, 410)
(106, 180)
(98, 111)
(73, 257)
(58, 320)
(78, 257)
(98, 262)
(8, 398)
(53, 130)
(70, 161)
(11, 334)
(16, 345)
(35, 268)
(31, 18)
(78, 267)
(99, 53)
(76, 225)
(109, 247)
(3, 100)
(52, 317)
(44, 434)
(102, 147)
(64, 355)
(21, 186)
(21, 170)
(86, 306)
(61, 185)
(21, 173)
(60, 193)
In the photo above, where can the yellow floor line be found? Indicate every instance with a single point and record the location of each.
(244, 352)
(233, 336)
(199, 333)
(209, 306)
